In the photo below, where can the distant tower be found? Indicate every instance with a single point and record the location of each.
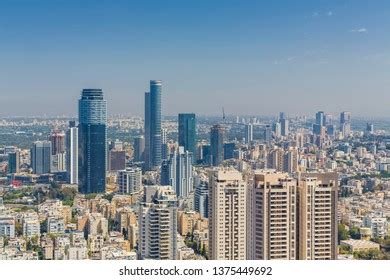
(284, 124)
(217, 136)
(92, 141)
(320, 118)
(177, 172)
(187, 133)
(139, 148)
(13, 162)
(153, 126)
(41, 157)
(72, 153)
(345, 123)
(57, 139)
(248, 133)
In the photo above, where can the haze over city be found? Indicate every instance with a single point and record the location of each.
(259, 58)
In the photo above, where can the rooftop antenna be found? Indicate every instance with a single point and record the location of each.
(223, 115)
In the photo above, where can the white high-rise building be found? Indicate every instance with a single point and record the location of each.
(130, 180)
(72, 153)
(157, 223)
(227, 215)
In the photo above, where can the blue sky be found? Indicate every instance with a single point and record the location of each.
(251, 57)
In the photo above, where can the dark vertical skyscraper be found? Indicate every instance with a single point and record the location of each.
(284, 124)
(153, 126)
(320, 118)
(41, 157)
(139, 148)
(14, 162)
(216, 139)
(187, 133)
(92, 141)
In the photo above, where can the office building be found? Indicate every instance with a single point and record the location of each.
(153, 139)
(217, 136)
(345, 123)
(320, 118)
(92, 141)
(201, 199)
(157, 223)
(57, 139)
(284, 124)
(177, 172)
(117, 160)
(227, 215)
(13, 162)
(41, 157)
(139, 147)
(72, 153)
(129, 180)
(187, 133)
(228, 150)
(248, 133)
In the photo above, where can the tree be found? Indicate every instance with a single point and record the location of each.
(354, 232)
(342, 232)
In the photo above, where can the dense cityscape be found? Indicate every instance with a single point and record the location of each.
(191, 187)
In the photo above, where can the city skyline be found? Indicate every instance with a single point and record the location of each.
(298, 59)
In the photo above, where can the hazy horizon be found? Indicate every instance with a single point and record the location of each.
(250, 57)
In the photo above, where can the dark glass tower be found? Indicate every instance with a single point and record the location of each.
(217, 139)
(153, 126)
(187, 133)
(41, 157)
(92, 141)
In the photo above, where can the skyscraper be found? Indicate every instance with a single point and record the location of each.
(272, 217)
(92, 141)
(284, 129)
(139, 148)
(227, 215)
(153, 126)
(41, 157)
(318, 216)
(187, 133)
(13, 162)
(217, 135)
(177, 172)
(248, 133)
(320, 118)
(201, 199)
(72, 153)
(157, 222)
(345, 123)
(57, 139)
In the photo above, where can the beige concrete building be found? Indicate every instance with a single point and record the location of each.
(317, 216)
(187, 221)
(272, 217)
(227, 215)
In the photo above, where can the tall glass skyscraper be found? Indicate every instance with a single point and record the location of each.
(187, 133)
(153, 126)
(92, 141)
(41, 157)
(217, 135)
